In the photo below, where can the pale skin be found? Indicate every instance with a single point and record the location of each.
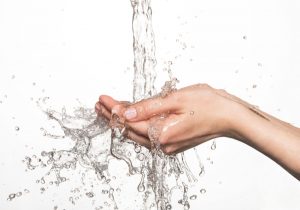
(198, 113)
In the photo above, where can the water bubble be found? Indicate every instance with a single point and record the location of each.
(33, 83)
(245, 37)
(202, 191)
(193, 197)
(13, 77)
(259, 64)
(17, 128)
(254, 86)
(169, 207)
(26, 191)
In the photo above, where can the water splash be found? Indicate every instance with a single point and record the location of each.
(95, 141)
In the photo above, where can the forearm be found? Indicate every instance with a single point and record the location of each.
(277, 139)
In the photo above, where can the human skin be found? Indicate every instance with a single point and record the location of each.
(198, 113)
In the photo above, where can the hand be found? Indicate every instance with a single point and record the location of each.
(195, 114)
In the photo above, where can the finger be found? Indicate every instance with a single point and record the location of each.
(101, 110)
(138, 138)
(97, 107)
(108, 101)
(140, 128)
(148, 108)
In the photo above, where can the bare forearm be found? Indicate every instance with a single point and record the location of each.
(277, 139)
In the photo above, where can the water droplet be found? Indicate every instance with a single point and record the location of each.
(42, 189)
(26, 191)
(186, 205)
(259, 64)
(213, 146)
(33, 83)
(13, 77)
(71, 199)
(193, 197)
(141, 187)
(11, 196)
(254, 86)
(17, 128)
(19, 194)
(245, 37)
(169, 207)
(202, 191)
(141, 156)
(89, 194)
(42, 180)
(137, 148)
(105, 191)
(192, 112)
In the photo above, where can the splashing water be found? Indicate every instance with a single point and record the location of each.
(95, 141)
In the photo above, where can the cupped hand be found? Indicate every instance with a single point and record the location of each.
(193, 115)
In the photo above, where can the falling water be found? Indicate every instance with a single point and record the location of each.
(144, 50)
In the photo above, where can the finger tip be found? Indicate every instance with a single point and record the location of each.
(103, 98)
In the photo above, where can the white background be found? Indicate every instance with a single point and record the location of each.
(80, 49)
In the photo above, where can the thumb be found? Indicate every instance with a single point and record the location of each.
(148, 108)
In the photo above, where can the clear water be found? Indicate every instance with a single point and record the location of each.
(95, 141)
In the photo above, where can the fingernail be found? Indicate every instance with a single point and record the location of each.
(130, 113)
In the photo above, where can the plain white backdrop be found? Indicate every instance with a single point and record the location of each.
(69, 50)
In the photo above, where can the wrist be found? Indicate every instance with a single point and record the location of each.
(240, 118)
